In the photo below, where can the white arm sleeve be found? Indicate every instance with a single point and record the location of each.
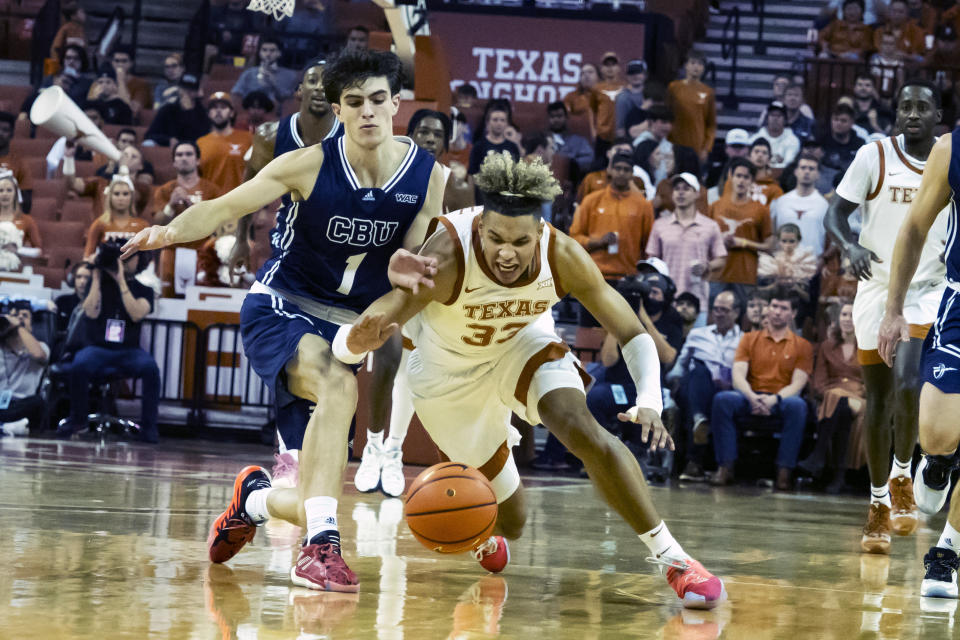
(640, 356)
(861, 175)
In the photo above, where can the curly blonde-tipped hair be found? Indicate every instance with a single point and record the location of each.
(509, 184)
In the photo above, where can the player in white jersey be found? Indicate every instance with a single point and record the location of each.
(883, 180)
(482, 352)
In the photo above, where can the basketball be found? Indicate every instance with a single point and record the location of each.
(451, 508)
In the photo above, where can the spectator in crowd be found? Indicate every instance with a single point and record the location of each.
(173, 198)
(130, 169)
(755, 312)
(770, 371)
(358, 39)
(185, 119)
(887, 65)
(694, 106)
(10, 210)
(910, 37)
(586, 98)
(784, 145)
(143, 170)
(849, 37)
(688, 306)
(791, 266)
(139, 93)
(105, 94)
(802, 125)
(778, 93)
(689, 242)
(614, 224)
(840, 144)
(873, 11)
(11, 245)
(431, 131)
(804, 206)
(632, 103)
(23, 364)
(703, 368)
(745, 224)
(599, 180)
(267, 76)
(869, 112)
(736, 145)
(940, 64)
(657, 138)
(494, 140)
(168, 90)
(71, 32)
(257, 106)
(825, 181)
(79, 279)
(73, 77)
(663, 195)
(577, 148)
(611, 79)
(838, 389)
(765, 188)
(12, 162)
(222, 150)
(119, 221)
(230, 25)
(115, 305)
(304, 32)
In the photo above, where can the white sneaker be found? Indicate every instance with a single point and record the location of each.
(391, 475)
(286, 471)
(368, 473)
(929, 499)
(20, 427)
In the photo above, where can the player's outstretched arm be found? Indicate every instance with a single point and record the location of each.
(293, 172)
(934, 194)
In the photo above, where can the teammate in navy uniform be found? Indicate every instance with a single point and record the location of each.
(355, 200)
(940, 367)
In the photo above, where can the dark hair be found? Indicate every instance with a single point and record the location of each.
(360, 28)
(124, 48)
(9, 118)
(498, 105)
(532, 141)
(741, 162)
(761, 142)
(794, 85)
(270, 39)
(806, 155)
(352, 68)
(317, 61)
(623, 140)
(857, 2)
(843, 109)
(196, 148)
(557, 106)
(863, 75)
(660, 112)
(127, 130)
(467, 89)
(422, 114)
(81, 53)
(696, 54)
(833, 312)
(784, 293)
(925, 84)
(789, 227)
(688, 297)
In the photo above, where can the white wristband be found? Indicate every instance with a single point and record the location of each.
(69, 166)
(340, 350)
(640, 356)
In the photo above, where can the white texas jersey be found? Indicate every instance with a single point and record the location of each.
(482, 316)
(884, 180)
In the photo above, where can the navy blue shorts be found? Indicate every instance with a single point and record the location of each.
(940, 365)
(271, 329)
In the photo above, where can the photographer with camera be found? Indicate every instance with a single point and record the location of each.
(23, 359)
(114, 306)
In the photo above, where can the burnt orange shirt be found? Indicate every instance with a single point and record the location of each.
(749, 220)
(911, 39)
(600, 107)
(840, 37)
(764, 190)
(629, 214)
(222, 157)
(31, 232)
(140, 91)
(772, 362)
(20, 168)
(203, 190)
(100, 231)
(598, 180)
(694, 109)
(69, 33)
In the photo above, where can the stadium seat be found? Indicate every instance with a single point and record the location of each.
(63, 233)
(77, 210)
(30, 147)
(47, 189)
(44, 208)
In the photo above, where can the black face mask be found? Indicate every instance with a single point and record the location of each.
(653, 307)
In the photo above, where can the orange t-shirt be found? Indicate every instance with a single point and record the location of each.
(772, 362)
(21, 170)
(750, 220)
(203, 190)
(764, 190)
(911, 39)
(842, 37)
(694, 109)
(598, 105)
(629, 214)
(598, 180)
(140, 91)
(222, 157)
(100, 231)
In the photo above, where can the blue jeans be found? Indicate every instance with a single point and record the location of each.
(730, 405)
(100, 363)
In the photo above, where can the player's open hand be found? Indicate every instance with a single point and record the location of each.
(893, 329)
(155, 237)
(651, 428)
(370, 332)
(860, 258)
(409, 270)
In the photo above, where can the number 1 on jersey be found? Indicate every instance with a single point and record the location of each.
(353, 263)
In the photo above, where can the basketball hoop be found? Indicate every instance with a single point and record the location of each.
(279, 9)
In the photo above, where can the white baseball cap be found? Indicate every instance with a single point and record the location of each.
(737, 136)
(687, 177)
(659, 265)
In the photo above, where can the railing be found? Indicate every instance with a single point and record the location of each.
(730, 47)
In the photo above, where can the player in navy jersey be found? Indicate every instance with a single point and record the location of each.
(940, 366)
(356, 199)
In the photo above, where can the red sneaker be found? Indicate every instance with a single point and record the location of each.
(696, 587)
(494, 554)
(234, 527)
(321, 567)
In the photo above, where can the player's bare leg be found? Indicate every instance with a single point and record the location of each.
(618, 478)
(386, 362)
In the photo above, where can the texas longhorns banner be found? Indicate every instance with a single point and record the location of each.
(528, 59)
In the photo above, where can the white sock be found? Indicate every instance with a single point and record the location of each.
(281, 445)
(295, 453)
(900, 469)
(950, 538)
(321, 515)
(880, 495)
(256, 506)
(661, 542)
(375, 438)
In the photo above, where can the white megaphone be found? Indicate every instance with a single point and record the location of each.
(55, 110)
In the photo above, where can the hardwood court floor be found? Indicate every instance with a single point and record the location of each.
(109, 542)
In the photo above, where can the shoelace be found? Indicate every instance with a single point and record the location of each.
(488, 547)
(941, 568)
(670, 563)
(282, 466)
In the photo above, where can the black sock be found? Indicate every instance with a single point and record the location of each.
(325, 537)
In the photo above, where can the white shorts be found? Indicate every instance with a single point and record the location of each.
(919, 308)
(466, 409)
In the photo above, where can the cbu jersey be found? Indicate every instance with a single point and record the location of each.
(334, 247)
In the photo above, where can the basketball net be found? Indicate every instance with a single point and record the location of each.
(277, 8)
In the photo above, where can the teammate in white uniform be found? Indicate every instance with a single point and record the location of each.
(884, 179)
(481, 353)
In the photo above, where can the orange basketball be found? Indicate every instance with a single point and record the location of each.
(451, 508)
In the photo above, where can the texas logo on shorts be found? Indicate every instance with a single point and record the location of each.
(941, 369)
